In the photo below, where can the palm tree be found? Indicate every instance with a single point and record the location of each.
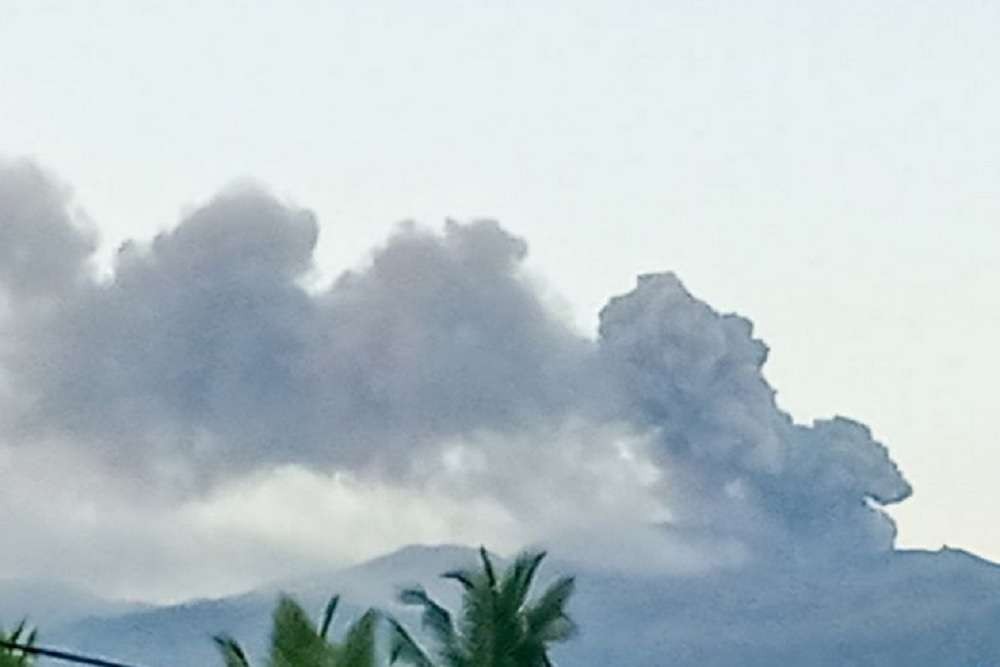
(14, 657)
(296, 642)
(498, 626)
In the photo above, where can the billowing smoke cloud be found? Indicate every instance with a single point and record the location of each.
(43, 246)
(203, 360)
(204, 350)
(693, 377)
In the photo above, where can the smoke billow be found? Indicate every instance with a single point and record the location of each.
(202, 359)
(693, 378)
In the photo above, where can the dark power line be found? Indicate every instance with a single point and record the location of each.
(61, 655)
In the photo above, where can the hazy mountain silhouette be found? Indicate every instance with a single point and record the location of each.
(914, 608)
(55, 602)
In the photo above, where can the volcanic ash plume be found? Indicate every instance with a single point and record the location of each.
(202, 360)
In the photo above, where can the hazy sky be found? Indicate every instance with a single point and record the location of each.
(828, 170)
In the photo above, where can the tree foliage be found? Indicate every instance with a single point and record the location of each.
(13, 657)
(498, 626)
(296, 641)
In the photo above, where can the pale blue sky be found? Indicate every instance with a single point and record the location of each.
(829, 170)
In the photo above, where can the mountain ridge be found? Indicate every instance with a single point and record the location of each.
(913, 607)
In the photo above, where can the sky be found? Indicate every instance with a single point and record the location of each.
(826, 170)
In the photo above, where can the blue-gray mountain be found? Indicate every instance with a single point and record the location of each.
(913, 608)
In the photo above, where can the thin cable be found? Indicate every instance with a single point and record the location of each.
(61, 655)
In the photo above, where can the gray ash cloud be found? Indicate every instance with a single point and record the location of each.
(203, 358)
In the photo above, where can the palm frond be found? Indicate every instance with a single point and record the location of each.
(465, 577)
(547, 618)
(497, 627)
(232, 652)
(434, 618)
(404, 648)
(13, 657)
(328, 612)
(491, 576)
(517, 579)
(358, 647)
(295, 641)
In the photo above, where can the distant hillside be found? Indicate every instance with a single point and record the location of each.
(54, 603)
(918, 609)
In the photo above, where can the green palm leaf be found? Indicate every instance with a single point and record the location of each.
(403, 648)
(331, 609)
(232, 653)
(14, 657)
(547, 619)
(497, 627)
(358, 647)
(435, 618)
(296, 642)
